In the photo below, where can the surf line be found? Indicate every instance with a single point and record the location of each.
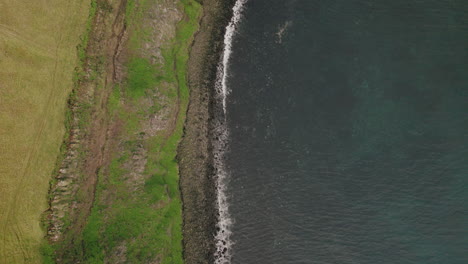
(220, 142)
(228, 36)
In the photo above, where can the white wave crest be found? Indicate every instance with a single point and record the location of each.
(228, 36)
(221, 138)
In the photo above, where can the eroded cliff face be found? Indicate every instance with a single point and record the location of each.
(83, 151)
(115, 197)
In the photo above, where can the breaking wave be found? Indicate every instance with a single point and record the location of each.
(221, 138)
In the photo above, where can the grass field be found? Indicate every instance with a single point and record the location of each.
(38, 54)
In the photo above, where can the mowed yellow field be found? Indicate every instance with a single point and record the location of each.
(38, 40)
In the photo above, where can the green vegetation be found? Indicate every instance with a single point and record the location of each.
(145, 222)
(141, 77)
(37, 58)
(85, 37)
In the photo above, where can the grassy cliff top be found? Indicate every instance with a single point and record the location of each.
(38, 42)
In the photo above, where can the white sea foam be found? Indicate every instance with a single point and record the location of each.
(221, 137)
(230, 32)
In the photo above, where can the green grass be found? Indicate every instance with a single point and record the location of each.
(81, 48)
(148, 221)
(141, 77)
(48, 253)
(113, 103)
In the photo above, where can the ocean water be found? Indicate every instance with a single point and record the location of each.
(347, 133)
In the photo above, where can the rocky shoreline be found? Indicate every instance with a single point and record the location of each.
(195, 152)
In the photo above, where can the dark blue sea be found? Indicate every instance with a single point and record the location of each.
(348, 132)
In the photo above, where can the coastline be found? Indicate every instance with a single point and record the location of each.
(124, 120)
(195, 152)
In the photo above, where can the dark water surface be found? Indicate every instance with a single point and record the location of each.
(349, 135)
